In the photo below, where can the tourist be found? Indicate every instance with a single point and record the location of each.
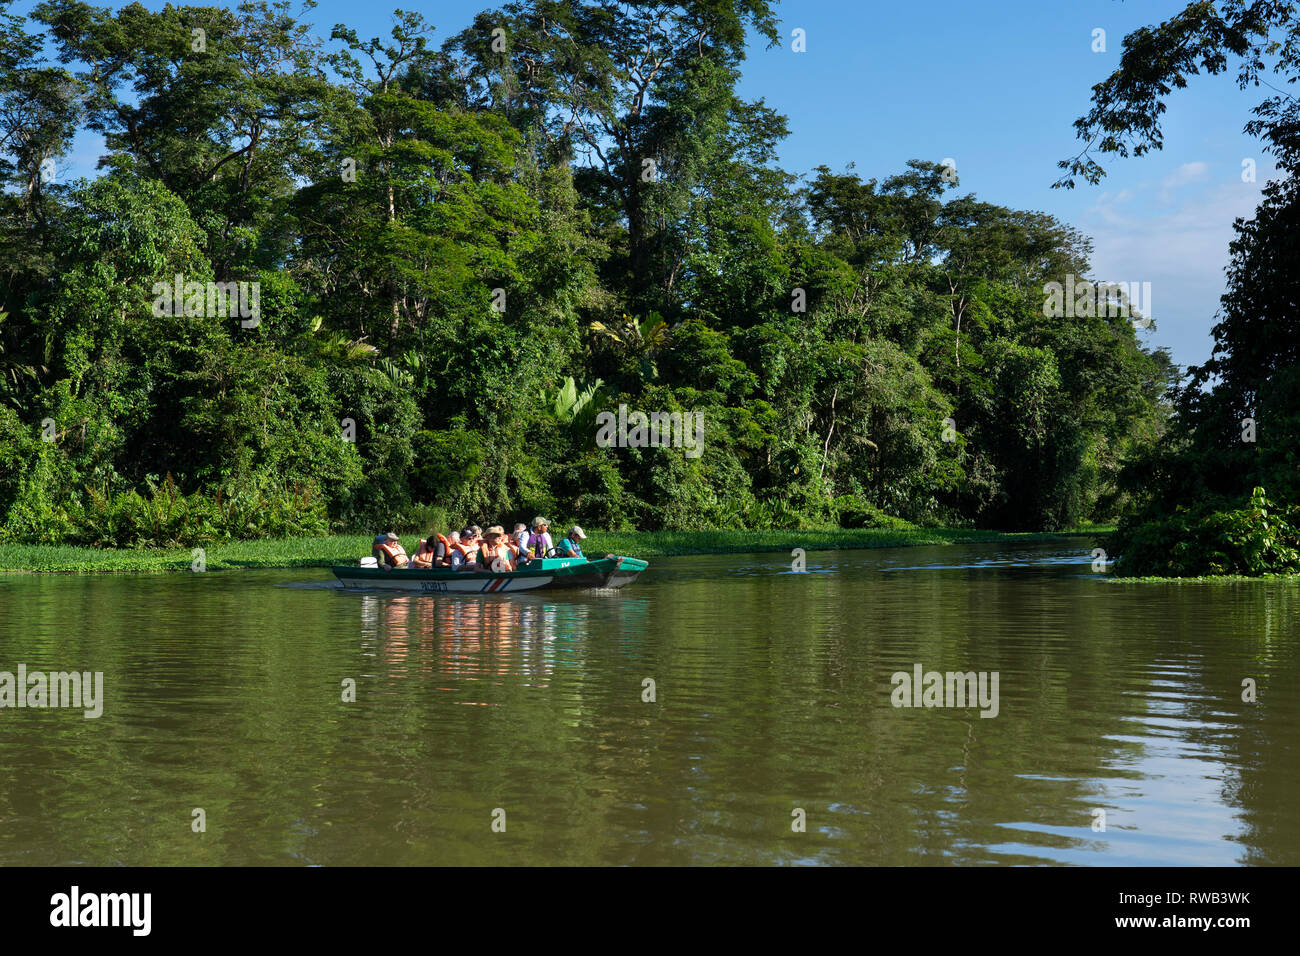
(389, 554)
(465, 556)
(520, 541)
(446, 547)
(494, 554)
(423, 557)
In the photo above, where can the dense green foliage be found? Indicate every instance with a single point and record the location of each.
(1213, 538)
(1198, 503)
(466, 253)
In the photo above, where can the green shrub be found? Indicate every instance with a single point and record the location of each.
(164, 516)
(422, 519)
(853, 512)
(1256, 539)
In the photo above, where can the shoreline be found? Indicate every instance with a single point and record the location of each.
(283, 554)
(1212, 579)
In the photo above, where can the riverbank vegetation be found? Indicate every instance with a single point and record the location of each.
(306, 552)
(455, 256)
(324, 284)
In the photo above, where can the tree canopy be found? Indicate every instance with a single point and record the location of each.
(1218, 492)
(463, 251)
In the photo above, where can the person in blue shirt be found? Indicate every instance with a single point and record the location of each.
(571, 547)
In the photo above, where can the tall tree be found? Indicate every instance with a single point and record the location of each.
(640, 91)
(219, 105)
(1238, 416)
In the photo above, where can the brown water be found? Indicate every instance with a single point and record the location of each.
(772, 694)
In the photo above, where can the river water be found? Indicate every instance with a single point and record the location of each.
(722, 709)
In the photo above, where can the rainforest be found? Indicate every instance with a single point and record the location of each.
(423, 266)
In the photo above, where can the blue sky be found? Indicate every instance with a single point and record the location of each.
(995, 87)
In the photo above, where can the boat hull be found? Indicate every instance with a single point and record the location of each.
(552, 573)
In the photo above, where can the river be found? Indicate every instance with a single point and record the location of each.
(721, 710)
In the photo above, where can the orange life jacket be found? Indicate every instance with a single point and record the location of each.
(423, 558)
(433, 550)
(395, 553)
(492, 554)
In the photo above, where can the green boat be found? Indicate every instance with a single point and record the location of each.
(610, 572)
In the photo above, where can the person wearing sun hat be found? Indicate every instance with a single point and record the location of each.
(493, 554)
(571, 545)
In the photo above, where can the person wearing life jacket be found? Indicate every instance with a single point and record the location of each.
(464, 556)
(494, 554)
(519, 542)
(511, 545)
(443, 547)
(423, 557)
(539, 541)
(390, 554)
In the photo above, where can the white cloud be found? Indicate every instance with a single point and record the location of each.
(1185, 175)
(1181, 249)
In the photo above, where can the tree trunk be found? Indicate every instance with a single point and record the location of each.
(826, 446)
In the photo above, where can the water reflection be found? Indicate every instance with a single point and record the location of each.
(467, 639)
(773, 692)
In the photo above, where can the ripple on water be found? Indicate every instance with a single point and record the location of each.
(688, 719)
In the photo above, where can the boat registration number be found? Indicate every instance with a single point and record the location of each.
(433, 585)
